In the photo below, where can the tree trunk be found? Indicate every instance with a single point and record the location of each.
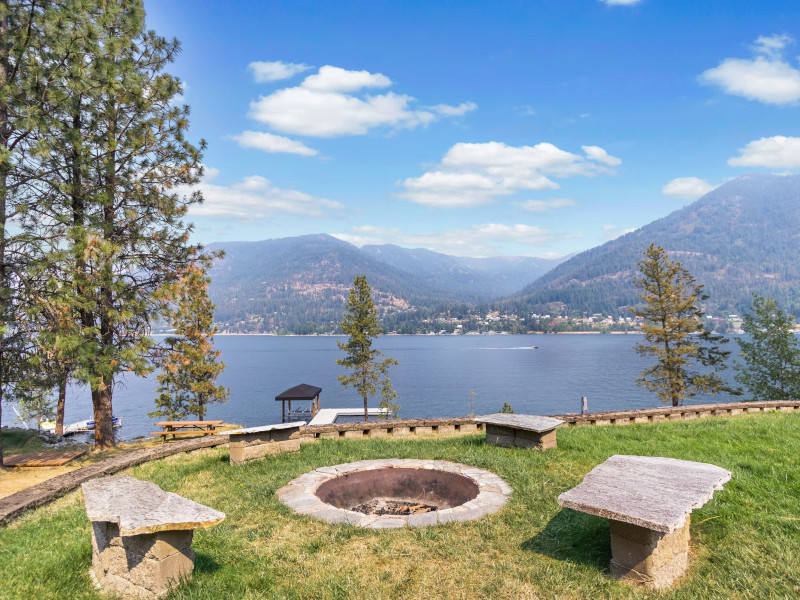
(103, 424)
(62, 397)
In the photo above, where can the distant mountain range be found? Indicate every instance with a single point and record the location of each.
(741, 238)
(294, 283)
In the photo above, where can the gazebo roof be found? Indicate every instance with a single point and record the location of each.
(300, 392)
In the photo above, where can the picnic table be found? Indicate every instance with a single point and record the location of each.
(176, 428)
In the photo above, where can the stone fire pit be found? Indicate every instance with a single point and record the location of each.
(394, 492)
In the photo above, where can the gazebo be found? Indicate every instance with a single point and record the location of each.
(302, 392)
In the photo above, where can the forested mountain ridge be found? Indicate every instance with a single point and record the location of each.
(741, 238)
(300, 283)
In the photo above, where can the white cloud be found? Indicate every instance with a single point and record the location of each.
(598, 154)
(255, 198)
(336, 79)
(687, 188)
(777, 152)
(272, 143)
(767, 77)
(474, 174)
(264, 72)
(544, 205)
(333, 102)
(478, 240)
(620, 2)
(453, 111)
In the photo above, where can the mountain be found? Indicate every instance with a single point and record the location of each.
(471, 279)
(300, 283)
(741, 238)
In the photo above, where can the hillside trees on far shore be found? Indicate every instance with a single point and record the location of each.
(674, 333)
(771, 353)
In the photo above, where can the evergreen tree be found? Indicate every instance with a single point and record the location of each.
(674, 333)
(187, 382)
(368, 371)
(771, 369)
(116, 199)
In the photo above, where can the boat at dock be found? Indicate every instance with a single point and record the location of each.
(86, 426)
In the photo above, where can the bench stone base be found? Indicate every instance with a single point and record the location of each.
(648, 557)
(508, 437)
(139, 566)
(258, 442)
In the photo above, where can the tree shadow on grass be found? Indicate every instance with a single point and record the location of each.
(203, 563)
(575, 537)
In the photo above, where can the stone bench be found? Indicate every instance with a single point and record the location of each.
(141, 535)
(257, 442)
(522, 431)
(648, 501)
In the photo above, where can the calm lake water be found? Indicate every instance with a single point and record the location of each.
(433, 378)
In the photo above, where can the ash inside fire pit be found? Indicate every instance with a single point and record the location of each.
(384, 506)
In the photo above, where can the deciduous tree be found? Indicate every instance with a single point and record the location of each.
(368, 372)
(771, 354)
(674, 333)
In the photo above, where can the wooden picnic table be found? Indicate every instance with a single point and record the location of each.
(175, 428)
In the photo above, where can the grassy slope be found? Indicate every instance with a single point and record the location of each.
(745, 542)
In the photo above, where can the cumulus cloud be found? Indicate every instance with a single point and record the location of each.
(777, 152)
(264, 72)
(544, 205)
(272, 143)
(767, 77)
(334, 102)
(478, 240)
(474, 174)
(687, 188)
(255, 198)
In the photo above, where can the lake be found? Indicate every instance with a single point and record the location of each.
(433, 378)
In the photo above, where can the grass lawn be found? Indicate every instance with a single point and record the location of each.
(745, 542)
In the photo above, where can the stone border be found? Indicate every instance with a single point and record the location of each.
(299, 495)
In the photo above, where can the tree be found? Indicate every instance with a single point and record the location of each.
(187, 382)
(118, 190)
(771, 369)
(367, 370)
(674, 333)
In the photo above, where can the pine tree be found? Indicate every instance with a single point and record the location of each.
(674, 333)
(771, 353)
(116, 201)
(187, 382)
(367, 371)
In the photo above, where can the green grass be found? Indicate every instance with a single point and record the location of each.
(745, 542)
(17, 441)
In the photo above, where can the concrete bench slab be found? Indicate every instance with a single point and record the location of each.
(521, 431)
(648, 501)
(141, 535)
(257, 442)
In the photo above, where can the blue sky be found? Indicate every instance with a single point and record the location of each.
(536, 128)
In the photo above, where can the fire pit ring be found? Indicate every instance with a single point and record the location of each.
(393, 492)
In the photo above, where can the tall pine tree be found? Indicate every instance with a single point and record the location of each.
(674, 333)
(368, 372)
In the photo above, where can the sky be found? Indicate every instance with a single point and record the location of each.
(535, 128)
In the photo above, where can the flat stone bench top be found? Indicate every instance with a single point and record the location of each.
(140, 507)
(651, 492)
(526, 422)
(263, 428)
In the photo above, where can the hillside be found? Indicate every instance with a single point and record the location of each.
(740, 239)
(471, 279)
(297, 284)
